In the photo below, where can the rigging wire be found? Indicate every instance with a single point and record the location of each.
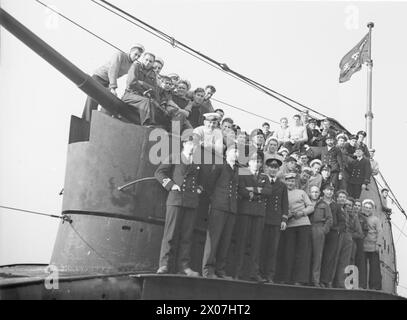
(92, 248)
(32, 212)
(395, 201)
(401, 286)
(398, 238)
(222, 66)
(291, 100)
(64, 218)
(241, 109)
(77, 24)
(398, 228)
(96, 251)
(391, 191)
(211, 62)
(405, 221)
(112, 45)
(381, 187)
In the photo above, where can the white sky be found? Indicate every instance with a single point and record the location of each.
(293, 47)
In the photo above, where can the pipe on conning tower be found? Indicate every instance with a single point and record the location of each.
(84, 82)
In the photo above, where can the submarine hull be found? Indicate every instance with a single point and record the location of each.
(32, 282)
(121, 231)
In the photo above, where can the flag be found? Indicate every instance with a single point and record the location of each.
(353, 60)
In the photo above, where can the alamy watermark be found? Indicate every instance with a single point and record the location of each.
(352, 17)
(51, 17)
(352, 280)
(51, 281)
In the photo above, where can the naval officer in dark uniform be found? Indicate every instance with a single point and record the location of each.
(330, 155)
(275, 219)
(360, 171)
(253, 189)
(182, 180)
(222, 188)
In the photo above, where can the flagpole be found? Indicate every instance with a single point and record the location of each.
(369, 113)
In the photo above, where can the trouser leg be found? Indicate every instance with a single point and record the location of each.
(354, 190)
(335, 180)
(357, 190)
(181, 120)
(185, 242)
(288, 255)
(344, 259)
(215, 228)
(280, 256)
(350, 190)
(256, 231)
(375, 276)
(302, 251)
(360, 262)
(328, 265)
(241, 231)
(318, 240)
(265, 241)
(353, 254)
(225, 240)
(337, 255)
(343, 184)
(91, 104)
(296, 146)
(268, 257)
(171, 235)
(141, 104)
(288, 145)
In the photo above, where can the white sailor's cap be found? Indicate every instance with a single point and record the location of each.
(368, 201)
(282, 149)
(139, 46)
(146, 53)
(271, 138)
(343, 136)
(173, 75)
(157, 59)
(315, 161)
(290, 175)
(211, 116)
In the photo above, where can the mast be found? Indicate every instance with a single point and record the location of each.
(369, 113)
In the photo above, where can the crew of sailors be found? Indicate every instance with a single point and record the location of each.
(291, 208)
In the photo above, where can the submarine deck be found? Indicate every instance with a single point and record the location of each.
(35, 282)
